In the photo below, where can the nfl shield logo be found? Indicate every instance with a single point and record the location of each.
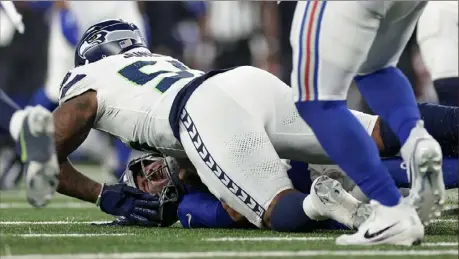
(125, 43)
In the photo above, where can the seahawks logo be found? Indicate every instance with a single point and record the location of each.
(91, 41)
(97, 38)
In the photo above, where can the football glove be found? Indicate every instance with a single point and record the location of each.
(136, 206)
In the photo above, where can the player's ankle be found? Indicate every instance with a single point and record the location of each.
(287, 214)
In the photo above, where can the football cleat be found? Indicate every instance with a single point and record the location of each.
(38, 153)
(423, 161)
(330, 201)
(398, 225)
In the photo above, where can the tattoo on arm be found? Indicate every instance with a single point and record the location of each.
(73, 121)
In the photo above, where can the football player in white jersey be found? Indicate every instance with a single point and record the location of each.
(233, 125)
(69, 20)
(218, 120)
(438, 42)
(335, 42)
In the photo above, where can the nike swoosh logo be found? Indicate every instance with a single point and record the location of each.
(189, 216)
(367, 234)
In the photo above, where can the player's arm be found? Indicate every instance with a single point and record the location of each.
(73, 121)
(203, 210)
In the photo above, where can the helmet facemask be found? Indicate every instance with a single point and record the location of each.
(160, 172)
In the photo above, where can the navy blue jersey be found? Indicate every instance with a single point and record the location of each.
(202, 210)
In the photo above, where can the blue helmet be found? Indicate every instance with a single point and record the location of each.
(107, 38)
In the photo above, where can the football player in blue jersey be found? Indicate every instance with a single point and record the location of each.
(234, 137)
(198, 208)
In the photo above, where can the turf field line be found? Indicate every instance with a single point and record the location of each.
(256, 239)
(72, 235)
(264, 239)
(444, 220)
(60, 205)
(226, 254)
(440, 244)
(50, 222)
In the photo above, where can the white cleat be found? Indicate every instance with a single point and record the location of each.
(423, 160)
(329, 200)
(398, 225)
(38, 153)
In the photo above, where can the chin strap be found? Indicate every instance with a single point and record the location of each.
(100, 195)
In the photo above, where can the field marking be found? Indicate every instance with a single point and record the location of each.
(60, 205)
(440, 244)
(261, 239)
(444, 220)
(72, 235)
(50, 222)
(256, 239)
(215, 254)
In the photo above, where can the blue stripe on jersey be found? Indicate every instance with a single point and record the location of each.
(300, 54)
(316, 52)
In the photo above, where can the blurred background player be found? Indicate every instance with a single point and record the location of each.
(68, 21)
(438, 42)
(32, 129)
(326, 59)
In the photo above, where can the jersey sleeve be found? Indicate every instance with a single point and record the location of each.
(74, 84)
(203, 210)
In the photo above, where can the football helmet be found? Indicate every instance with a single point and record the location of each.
(107, 38)
(156, 168)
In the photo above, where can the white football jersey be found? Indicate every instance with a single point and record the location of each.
(135, 91)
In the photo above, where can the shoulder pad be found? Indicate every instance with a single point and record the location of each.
(72, 85)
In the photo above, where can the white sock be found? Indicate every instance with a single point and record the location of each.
(16, 124)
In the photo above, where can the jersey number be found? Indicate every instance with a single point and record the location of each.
(132, 73)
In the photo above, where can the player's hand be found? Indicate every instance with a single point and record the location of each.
(136, 206)
(69, 27)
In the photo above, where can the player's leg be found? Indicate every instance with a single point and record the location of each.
(7, 109)
(390, 95)
(323, 69)
(437, 35)
(440, 121)
(450, 175)
(236, 160)
(330, 41)
(33, 129)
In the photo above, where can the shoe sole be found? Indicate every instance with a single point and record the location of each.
(42, 182)
(431, 194)
(329, 190)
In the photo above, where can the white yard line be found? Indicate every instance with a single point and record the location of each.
(455, 244)
(60, 205)
(444, 220)
(72, 235)
(49, 222)
(256, 239)
(216, 254)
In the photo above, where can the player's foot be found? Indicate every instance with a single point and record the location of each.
(398, 225)
(330, 200)
(423, 160)
(38, 152)
(10, 168)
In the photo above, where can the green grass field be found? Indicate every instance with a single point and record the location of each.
(63, 230)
